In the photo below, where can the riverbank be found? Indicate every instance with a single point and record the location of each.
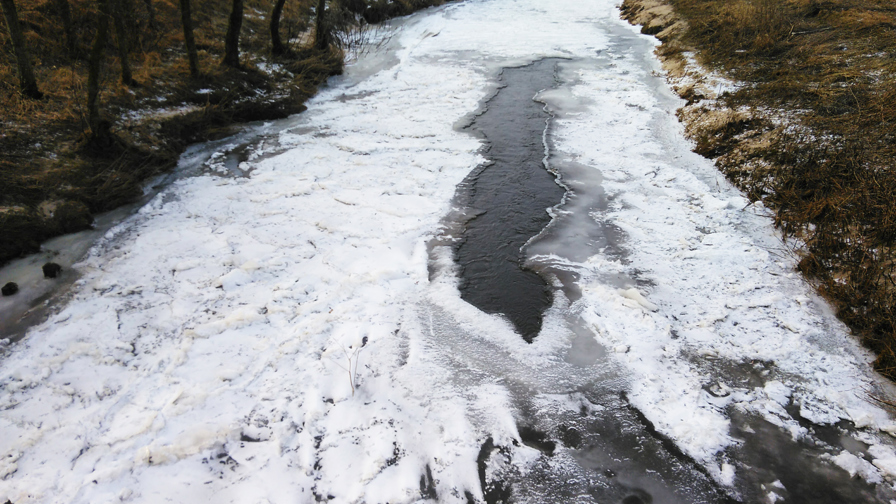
(794, 103)
(52, 182)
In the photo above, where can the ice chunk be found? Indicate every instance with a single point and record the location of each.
(233, 279)
(856, 466)
(726, 476)
(884, 459)
(636, 296)
(778, 392)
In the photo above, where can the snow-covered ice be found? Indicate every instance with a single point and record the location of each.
(279, 336)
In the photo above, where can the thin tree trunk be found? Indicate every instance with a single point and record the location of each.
(321, 37)
(65, 13)
(277, 46)
(121, 33)
(232, 40)
(94, 64)
(151, 11)
(186, 18)
(26, 74)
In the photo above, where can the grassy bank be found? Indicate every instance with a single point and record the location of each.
(808, 128)
(52, 180)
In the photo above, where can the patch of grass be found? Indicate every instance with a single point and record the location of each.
(828, 67)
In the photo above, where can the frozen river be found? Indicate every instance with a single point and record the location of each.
(299, 319)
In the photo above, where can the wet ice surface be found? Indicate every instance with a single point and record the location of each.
(212, 341)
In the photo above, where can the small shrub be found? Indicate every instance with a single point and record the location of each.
(71, 216)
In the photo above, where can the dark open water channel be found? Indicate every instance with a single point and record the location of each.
(510, 195)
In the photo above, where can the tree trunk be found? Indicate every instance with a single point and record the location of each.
(121, 33)
(65, 13)
(151, 11)
(26, 74)
(321, 35)
(94, 64)
(232, 40)
(277, 46)
(186, 18)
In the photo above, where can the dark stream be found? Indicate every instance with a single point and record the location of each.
(510, 195)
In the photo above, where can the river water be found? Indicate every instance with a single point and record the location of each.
(484, 266)
(509, 195)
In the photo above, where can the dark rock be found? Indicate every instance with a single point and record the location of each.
(10, 289)
(52, 270)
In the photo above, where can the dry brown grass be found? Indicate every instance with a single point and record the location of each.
(829, 68)
(748, 25)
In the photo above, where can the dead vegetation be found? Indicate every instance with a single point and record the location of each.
(52, 180)
(810, 130)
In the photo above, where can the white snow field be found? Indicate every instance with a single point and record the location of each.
(279, 337)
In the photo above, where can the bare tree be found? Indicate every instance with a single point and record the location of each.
(186, 18)
(119, 10)
(151, 12)
(232, 39)
(94, 64)
(277, 46)
(321, 32)
(71, 41)
(26, 73)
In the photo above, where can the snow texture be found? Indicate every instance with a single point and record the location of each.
(277, 337)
